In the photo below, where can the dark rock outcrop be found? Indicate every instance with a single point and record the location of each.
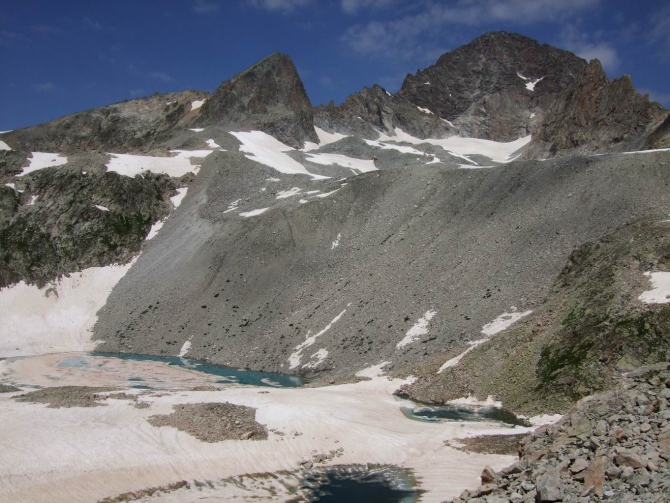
(54, 227)
(598, 115)
(122, 127)
(482, 86)
(373, 110)
(269, 96)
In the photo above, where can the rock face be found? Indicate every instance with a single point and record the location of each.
(375, 110)
(599, 115)
(621, 438)
(122, 127)
(53, 226)
(269, 97)
(483, 87)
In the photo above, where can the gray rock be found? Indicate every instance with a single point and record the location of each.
(549, 488)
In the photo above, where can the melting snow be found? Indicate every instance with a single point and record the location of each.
(660, 281)
(425, 110)
(325, 138)
(263, 148)
(336, 243)
(448, 122)
(177, 166)
(41, 160)
(400, 148)
(456, 145)
(212, 144)
(476, 166)
(154, 230)
(361, 165)
(490, 329)
(233, 206)
(184, 349)
(197, 104)
(32, 200)
(101, 208)
(420, 328)
(197, 129)
(294, 191)
(296, 356)
(648, 151)
(181, 194)
(4, 146)
(373, 371)
(318, 358)
(326, 194)
(254, 213)
(531, 85)
(272, 180)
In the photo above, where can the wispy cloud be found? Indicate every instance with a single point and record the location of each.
(279, 5)
(205, 6)
(46, 86)
(160, 76)
(581, 43)
(353, 6)
(659, 33)
(90, 23)
(412, 35)
(45, 29)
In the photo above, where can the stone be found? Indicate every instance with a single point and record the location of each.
(630, 459)
(594, 478)
(489, 475)
(579, 465)
(549, 488)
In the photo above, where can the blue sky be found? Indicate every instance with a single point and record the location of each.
(62, 56)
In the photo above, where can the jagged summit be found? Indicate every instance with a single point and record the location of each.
(492, 86)
(268, 96)
(597, 115)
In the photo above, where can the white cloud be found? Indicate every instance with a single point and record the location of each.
(205, 6)
(406, 35)
(46, 86)
(160, 76)
(279, 5)
(353, 6)
(579, 41)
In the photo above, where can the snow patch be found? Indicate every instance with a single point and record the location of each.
(425, 110)
(364, 166)
(58, 317)
(197, 129)
(184, 349)
(660, 281)
(544, 419)
(32, 200)
(4, 146)
(420, 328)
(325, 138)
(336, 243)
(503, 322)
(181, 194)
(373, 371)
(456, 145)
(531, 85)
(101, 208)
(177, 166)
(326, 194)
(296, 356)
(318, 358)
(212, 144)
(254, 213)
(41, 160)
(154, 230)
(475, 166)
(263, 148)
(471, 400)
(284, 194)
(647, 151)
(197, 104)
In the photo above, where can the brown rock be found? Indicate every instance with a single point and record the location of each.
(594, 478)
(627, 458)
(489, 475)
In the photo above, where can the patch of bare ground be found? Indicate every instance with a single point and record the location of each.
(144, 493)
(214, 422)
(490, 444)
(67, 396)
(6, 388)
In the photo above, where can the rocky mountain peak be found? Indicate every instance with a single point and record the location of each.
(268, 96)
(490, 87)
(598, 115)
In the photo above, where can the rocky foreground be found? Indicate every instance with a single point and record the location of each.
(613, 446)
